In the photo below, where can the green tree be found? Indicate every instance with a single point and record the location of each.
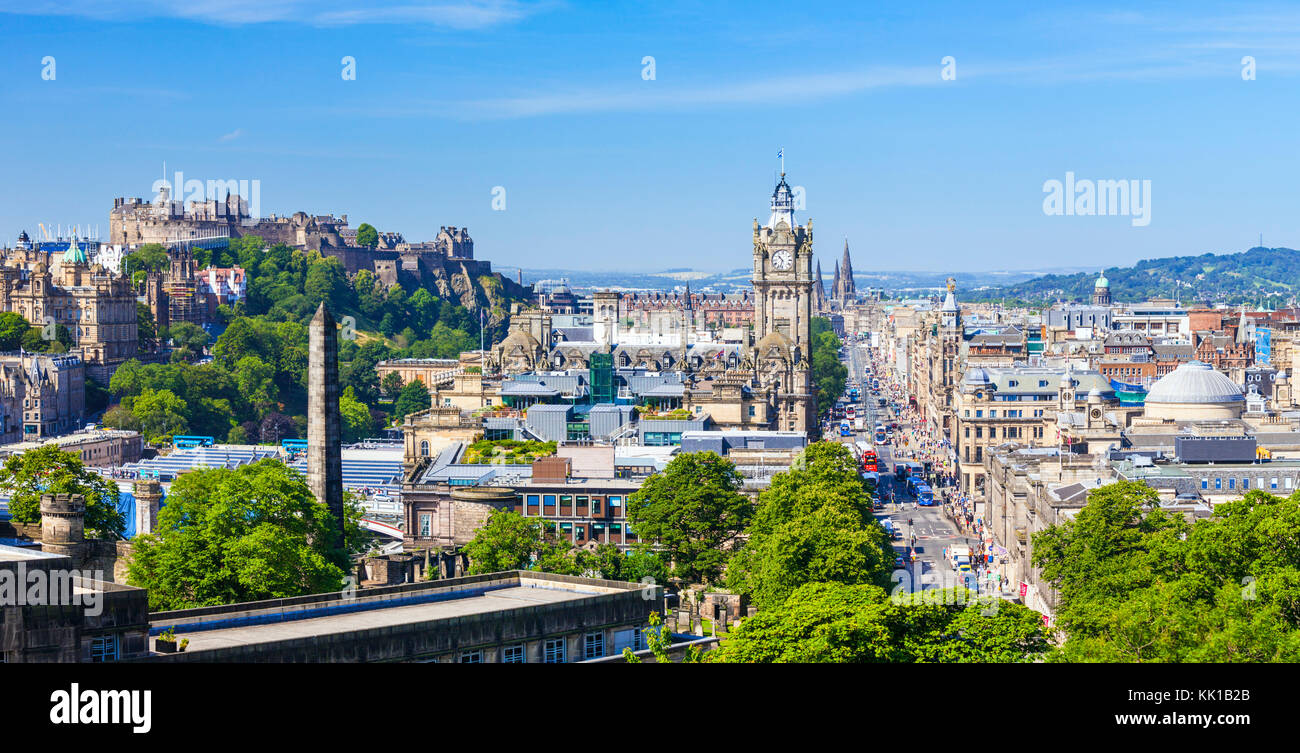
(146, 328)
(658, 639)
(326, 281)
(413, 397)
(12, 328)
(234, 535)
(189, 339)
(813, 525)
(367, 236)
(356, 423)
(829, 374)
(151, 257)
(392, 383)
(256, 381)
(509, 541)
(842, 623)
(121, 417)
(25, 476)
(161, 414)
(693, 511)
(1140, 584)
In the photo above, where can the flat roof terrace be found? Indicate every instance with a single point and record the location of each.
(410, 621)
(507, 597)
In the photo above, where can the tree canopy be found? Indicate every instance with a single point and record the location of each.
(1140, 584)
(861, 623)
(828, 372)
(813, 525)
(693, 512)
(245, 534)
(25, 476)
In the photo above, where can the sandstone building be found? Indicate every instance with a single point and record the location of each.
(96, 306)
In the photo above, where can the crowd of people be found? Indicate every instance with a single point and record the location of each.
(918, 440)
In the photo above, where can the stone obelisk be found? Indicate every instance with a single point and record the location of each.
(324, 456)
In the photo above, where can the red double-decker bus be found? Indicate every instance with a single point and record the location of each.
(867, 456)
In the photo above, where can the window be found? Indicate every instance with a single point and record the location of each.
(103, 648)
(751, 411)
(595, 506)
(615, 502)
(512, 655)
(582, 502)
(1218, 483)
(548, 500)
(471, 657)
(553, 651)
(424, 448)
(1289, 482)
(1245, 483)
(1205, 483)
(593, 645)
(1232, 483)
(566, 500)
(426, 525)
(1273, 485)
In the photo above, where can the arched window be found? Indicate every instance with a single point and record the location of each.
(424, 448)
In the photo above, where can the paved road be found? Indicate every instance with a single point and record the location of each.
(932, 531)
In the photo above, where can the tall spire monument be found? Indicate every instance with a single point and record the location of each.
(324, 456)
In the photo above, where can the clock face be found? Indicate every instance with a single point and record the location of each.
(782, 260)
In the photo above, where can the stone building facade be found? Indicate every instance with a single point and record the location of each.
(40, 396)
(96, 306)
(762, 381)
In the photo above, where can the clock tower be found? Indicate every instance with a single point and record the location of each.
(783, 273)
(781, 352)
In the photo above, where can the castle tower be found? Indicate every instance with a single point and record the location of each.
(63, 525)
(148, 500)
(1101, 291)
(324, 456)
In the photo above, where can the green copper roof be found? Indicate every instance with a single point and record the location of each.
(74, 254)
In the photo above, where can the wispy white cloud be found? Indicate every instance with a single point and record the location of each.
(452, 14)
(232, 135)
(661, 96)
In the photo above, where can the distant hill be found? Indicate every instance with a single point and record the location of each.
(898, 283)
(1268, 275)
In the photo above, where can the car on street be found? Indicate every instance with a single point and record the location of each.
(899, 564)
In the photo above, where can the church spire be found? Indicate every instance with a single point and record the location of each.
(848, 289)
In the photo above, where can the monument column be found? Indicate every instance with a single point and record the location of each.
(324, 455)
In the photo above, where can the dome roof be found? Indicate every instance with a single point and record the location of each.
(1102, 282)
(1195, 382)
(74, 254)
(773, 339)
(521, 337)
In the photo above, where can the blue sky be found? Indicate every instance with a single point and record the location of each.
(605, 170)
